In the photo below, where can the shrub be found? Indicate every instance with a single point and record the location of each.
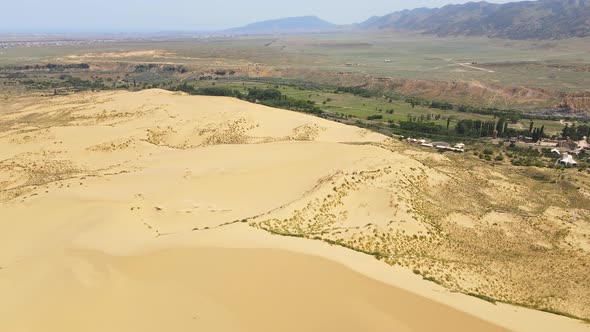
(483, 297)
(423, 127)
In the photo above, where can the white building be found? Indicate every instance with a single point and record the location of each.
(567, 160)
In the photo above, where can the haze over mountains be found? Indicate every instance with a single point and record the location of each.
(286, 25)
(544, 19)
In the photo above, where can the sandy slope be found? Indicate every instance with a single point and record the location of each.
(123, 212)
(214, 289)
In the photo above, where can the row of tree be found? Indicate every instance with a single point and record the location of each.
(479, 128)
(274, 98)
(357, 91)
(268, 97)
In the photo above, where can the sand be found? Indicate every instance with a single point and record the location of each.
(214, 289)
(131, 212)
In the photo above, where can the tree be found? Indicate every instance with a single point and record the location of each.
(500, 125)
(264, 94)
(536, 135)
(514, 117)
(441, 105)
(531, 127)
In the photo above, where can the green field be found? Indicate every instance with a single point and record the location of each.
(358, 107)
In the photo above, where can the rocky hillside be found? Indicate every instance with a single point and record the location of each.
(544, 19)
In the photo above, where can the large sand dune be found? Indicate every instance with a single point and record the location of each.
(142, 212)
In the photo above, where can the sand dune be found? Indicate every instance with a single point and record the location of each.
(134, 212)
(217, 290)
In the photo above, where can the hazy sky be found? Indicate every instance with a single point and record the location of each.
(161, 15)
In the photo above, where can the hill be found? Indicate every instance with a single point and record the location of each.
(302, 24)
(545, 19)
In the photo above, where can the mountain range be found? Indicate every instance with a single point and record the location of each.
(543, 19)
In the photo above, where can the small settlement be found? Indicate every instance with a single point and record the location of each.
(565, 149)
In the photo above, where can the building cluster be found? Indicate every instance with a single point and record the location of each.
(566, 149)
(459, 147)
(565, 159)
(30, 44)
(582, 145)
(577, 148)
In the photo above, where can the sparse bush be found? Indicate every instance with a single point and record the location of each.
(483, 297)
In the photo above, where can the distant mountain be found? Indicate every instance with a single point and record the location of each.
(290, 25)
(544, 19)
